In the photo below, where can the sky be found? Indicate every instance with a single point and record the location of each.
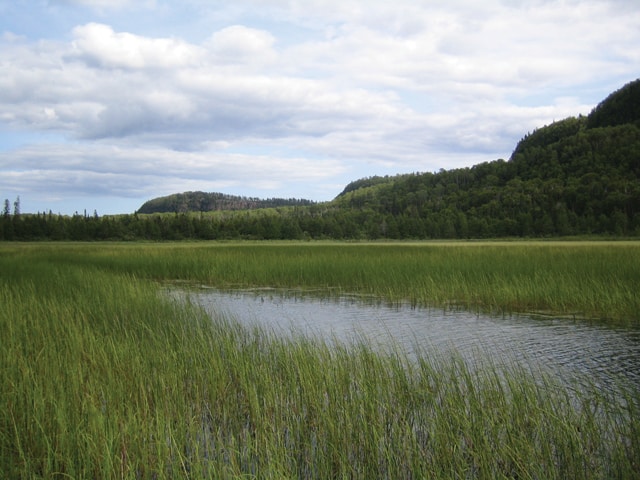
(105, 104)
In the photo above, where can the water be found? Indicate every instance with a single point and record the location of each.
(574, 350)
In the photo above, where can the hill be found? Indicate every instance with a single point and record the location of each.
(580, 175)
(208, 202)
(577, 176)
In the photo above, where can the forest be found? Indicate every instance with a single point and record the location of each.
(207, 202)
(577, 176)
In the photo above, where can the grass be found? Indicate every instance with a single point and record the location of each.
(102, 377)
(587, 279)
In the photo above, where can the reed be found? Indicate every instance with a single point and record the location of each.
(104, 377)
(586, 279)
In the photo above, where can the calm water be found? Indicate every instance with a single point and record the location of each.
(572, 349)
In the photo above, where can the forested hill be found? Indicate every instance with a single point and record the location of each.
(580, 175)
(208, 202)
(577, 176)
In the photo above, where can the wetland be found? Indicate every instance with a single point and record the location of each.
(571, 349)
(105, 376)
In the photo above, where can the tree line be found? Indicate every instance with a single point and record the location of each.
(577, 176)
(322, 223)
(587, 183)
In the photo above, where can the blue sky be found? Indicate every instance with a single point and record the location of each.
(105, 104)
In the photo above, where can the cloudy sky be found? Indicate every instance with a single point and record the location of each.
(107, 103)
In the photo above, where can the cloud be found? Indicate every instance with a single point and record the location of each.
(59, 170)
(507, 46)
(238, 44)
(103, 5)
(91, 89)
(336, 89)
(99, 44)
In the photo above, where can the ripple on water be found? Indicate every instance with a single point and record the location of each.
(569, 349)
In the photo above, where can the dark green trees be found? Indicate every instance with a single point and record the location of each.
(577, 176)
(619, 108)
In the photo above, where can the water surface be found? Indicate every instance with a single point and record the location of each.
(574, 350)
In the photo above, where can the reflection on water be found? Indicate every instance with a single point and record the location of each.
(567, 348)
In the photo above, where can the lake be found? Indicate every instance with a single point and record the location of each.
(573, 350)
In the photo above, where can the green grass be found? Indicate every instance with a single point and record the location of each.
(103, 377)
(591, 279)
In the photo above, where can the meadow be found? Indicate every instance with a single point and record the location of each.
(103, 376)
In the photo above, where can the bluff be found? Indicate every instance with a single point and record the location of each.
(580, 175)
(577, 176)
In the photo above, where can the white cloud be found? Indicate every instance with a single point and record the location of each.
(377, 86)
(203, 100)
(99, 44)
(138, 172)
(238, 44)
(528, 46)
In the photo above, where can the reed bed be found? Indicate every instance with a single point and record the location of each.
(583, 279)
(103, 377)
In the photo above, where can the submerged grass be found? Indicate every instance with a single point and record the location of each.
(102, 377)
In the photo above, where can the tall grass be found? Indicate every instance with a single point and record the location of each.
(593, 279)
(102, 377)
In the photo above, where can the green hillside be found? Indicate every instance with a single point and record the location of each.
(208, 202)
(577, 176)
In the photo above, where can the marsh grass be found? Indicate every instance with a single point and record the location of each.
(582, 279)
(102, 377)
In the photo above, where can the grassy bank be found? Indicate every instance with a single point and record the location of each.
(104, 378)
